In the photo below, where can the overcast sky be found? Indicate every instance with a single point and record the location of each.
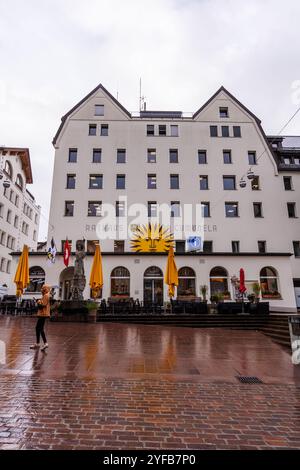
(53, 52)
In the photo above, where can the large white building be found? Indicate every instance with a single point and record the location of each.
(19, 213)
(104, 153)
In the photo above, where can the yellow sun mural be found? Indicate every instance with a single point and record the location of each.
(151, 237)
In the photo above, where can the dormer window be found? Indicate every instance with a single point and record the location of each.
(223, 112)
(99, 109)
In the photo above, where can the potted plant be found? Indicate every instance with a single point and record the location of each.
(251, 298)
(92, 308)
(203, 290)
(256, 290)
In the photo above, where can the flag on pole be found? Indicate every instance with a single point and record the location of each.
(67, 253)
(52, 251)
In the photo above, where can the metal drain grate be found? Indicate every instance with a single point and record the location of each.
(248, 380)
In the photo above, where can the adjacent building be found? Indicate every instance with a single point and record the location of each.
(219, 160)
(19, 213)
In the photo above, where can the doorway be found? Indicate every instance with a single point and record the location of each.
(153, 286)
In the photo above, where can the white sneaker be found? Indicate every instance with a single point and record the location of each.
(45, 347)
(35, 346)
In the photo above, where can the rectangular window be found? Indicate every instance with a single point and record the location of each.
(150, 129)
(236, 131)
(202, 157)
(205, 206)
(72, 155)
(227, 157)
(255, 183)
(121, 156)
(257, 209)
(8, 216)
(223, 112)
(17, 201)
(104, 130)
(261, 245)
(252, 158)
(36, 218)
(96, 182)
(94, 208)
(120, 183)
(203, 182)
(71, 181)
(296, 161)
(119, 246)
(162, 130)
(225, 131)
(99, 109)
(120, 209)
(180, 246)
(151, 181)
(174, 131)
(287, 161)
(173, 155)
(8, 267)
(235, 246)
(213, 131)
(152, 209)
(2, 264)
(229, 183)
(2, 238)
(69, 208)
(16, 221)
(207, 246)
(174, 181)
(91, 246)
(291, 206)
(92, 129)
(287, 181)
(231, 209)
(151, 156)
(1, 210)
(175, 208)
(97, 154)
(296, 246)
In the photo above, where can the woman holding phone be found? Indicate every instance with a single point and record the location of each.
(43, 314)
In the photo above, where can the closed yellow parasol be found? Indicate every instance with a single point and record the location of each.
(22, 274)
(96, 277)
(171, 276)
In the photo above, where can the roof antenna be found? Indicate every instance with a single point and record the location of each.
(142, 98)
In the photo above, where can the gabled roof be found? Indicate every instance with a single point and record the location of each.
(222, 88)
(99, 87)
(257, 120)
(24, 155)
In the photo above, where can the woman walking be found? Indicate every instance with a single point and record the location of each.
(43, 314)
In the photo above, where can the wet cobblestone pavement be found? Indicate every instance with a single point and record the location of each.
(116, 386)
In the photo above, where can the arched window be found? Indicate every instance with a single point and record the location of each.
(19, 182)
(219, 282)
(186, 282)
(269, 283)
(120, 282)
(153, 271)
(37, 279)
(8, 169)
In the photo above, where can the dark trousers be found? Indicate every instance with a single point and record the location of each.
(39, 329)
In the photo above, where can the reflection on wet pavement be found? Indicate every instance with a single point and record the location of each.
(120, 350)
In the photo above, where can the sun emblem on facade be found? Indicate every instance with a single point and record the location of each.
(151, 237)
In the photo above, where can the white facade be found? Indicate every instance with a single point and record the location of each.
(189, 136)
(19, 213)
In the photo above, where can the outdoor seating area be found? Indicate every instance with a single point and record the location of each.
(11, 305)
